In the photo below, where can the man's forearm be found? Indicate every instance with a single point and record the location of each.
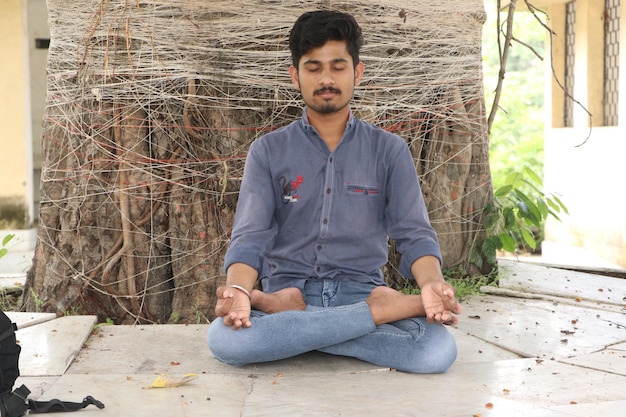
(426, 269)
(241, 274)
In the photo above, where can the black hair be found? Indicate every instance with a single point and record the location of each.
(314, 29)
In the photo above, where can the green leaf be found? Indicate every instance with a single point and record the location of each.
(489, 248)
(529, 238)
(476, 259)
(560, 204)
(543, 208)
(509, 218)
(528, 209)
(491, 220)
(3, 252)
(523, 210)
(7, 238)
(553, 214)
(533, 187)
(512, 178)
(502, 191)
(536, 179)
(508, 243)
(491, 244)
(523, 197)
(553, 205)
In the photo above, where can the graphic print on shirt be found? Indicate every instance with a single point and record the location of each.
(363, 189)
(290, 188)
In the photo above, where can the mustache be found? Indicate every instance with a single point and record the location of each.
(327, 89)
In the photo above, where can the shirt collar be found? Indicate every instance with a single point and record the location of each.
(305, 120)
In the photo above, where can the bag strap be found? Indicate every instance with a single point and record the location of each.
(57, 406)
(15, 404)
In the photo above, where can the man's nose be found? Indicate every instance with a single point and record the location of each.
(326, 78)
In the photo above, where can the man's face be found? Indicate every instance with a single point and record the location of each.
(326, 77)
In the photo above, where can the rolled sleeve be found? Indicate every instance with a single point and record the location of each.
(406, 216)
(254, 230)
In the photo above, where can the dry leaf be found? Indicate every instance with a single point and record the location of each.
(164, 381)
(489, 405)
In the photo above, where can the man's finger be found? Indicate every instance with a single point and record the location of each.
(223, 306)
(224, 292)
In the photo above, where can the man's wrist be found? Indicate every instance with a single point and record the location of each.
(241, 289)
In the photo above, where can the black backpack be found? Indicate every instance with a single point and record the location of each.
(15, 403)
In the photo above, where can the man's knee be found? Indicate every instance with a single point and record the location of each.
(443, 349)
(437, 350)
(221, 344)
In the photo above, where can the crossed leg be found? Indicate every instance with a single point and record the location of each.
(283, 326)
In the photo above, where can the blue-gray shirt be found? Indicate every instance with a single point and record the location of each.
(306, 213)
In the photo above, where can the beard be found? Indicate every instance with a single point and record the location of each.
(324, 108)
(327, 106)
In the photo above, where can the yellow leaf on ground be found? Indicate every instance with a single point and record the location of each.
(164, 381)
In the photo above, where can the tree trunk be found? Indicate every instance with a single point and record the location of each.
(151, 108)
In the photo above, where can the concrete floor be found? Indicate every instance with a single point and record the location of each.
(546, 342)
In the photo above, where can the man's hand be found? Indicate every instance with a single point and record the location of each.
(440, 302)
(437, 295)
(234, 307)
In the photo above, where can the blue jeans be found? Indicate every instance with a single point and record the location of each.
(337, 321)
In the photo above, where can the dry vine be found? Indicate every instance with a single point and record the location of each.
(152, 105)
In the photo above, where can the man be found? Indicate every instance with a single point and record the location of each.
(318, 200)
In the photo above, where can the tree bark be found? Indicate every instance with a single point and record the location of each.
(148, 119)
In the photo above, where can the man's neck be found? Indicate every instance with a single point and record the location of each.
(330, 126)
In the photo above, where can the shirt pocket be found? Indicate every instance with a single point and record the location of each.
(363, 208)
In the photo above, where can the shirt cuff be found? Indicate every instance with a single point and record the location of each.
(406, 261)
(244, 256)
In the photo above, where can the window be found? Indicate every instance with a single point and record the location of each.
(611, 62)
(570, 38)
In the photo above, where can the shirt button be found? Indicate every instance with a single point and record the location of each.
(319, 247)
(325, 221)
(319, 268)
(328, 191)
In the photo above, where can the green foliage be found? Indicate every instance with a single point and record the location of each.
(515, 219)
(465, 285)
(516, 137)
(37, 299)
(5, 242)
(199, 317)
(517, 215)
(108, 322)
(73, 311)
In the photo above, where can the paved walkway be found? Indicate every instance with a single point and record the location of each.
(546, 342)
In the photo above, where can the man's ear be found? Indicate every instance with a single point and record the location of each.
(293, 71)
(358, 73)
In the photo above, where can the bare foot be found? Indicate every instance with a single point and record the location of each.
(282, 300)
(388, 305)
